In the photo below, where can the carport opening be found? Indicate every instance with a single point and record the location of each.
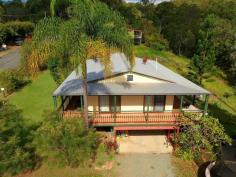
(145, 132)
(144, 141)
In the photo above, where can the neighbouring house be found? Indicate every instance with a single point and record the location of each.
(147, 97)
(137, 36)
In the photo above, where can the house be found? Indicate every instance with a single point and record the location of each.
(147, 97)
(137, 36)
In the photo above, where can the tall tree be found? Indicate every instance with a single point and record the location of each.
(204, 58)
(92, 31)
(180, 25)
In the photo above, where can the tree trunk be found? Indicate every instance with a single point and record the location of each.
(85, 98)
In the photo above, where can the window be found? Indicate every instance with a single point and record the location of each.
(104, 103)
(130, 77)
(159, 103)
(115, 103)
(154, 103)
(110, 103)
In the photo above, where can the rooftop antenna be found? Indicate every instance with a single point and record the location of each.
(156, 63)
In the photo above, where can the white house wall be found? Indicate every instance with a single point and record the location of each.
(137, 78)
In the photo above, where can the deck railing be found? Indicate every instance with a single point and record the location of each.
(127, 117)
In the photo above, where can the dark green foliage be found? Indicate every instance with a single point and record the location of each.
(180, 25)
(13, 80)
(12, 29)
(53, 66)
(205, 134)
(16, 152)
(37, 9)
(65, 142)
(151, 36)
(3, 33)
(204, 58)
(19, 28)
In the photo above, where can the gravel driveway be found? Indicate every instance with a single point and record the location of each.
(144, 165)
(10, 60)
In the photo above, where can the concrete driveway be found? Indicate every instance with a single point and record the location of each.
(144, 165)
(144, 154)
(144, 142)
(11, 60)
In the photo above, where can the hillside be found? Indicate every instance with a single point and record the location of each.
(222, 104)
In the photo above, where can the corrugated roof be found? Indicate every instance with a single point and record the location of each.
(177, 84)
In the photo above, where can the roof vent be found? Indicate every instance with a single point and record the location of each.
(130, 77)
(144, 60)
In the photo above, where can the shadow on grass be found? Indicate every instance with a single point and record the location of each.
(227, 119)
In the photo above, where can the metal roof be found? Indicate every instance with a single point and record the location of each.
(176, 85)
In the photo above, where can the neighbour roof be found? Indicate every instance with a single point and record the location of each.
(177, 84)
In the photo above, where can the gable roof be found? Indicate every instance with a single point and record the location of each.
(176, 85)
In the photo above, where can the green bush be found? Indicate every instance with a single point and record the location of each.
(3, 33)
(14, 28)
(19, 27)
(104, 154)
(205, 134)
(16, 152)
(12, 80)
(65, 142)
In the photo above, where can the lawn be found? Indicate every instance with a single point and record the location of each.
(47, 171)
(220, 106)
(184, 168)
(36, 97)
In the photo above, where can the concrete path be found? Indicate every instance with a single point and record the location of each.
(11, 60)
(144, 165)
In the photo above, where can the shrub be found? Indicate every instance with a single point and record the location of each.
(206, 133)
(227, 94)
(104, 154)
(19, 27)
(12, 80)
(3, 33)
(14, 28)
(65, 142)
(53, 66)
(16, 152)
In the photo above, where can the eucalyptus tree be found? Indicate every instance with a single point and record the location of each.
(92, 31)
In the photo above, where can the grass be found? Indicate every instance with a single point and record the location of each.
(46, 171)
(220, 106)
(36, 97)
(184, 168)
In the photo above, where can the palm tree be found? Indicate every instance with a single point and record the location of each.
(92, 30)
